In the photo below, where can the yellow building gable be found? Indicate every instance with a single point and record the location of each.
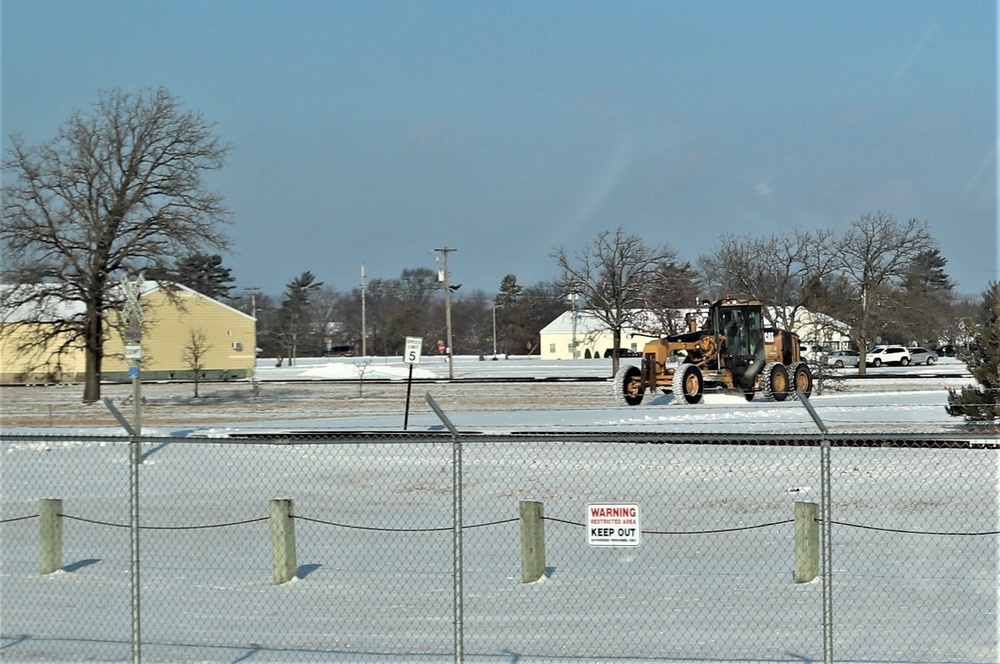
(176, 320)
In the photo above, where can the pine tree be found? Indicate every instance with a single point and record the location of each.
(198, 271)
(923, 301)
(206, 274)
(510, 312)
(981, 402)
(293, 317)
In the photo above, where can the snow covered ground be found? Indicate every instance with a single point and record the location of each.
(892, 399)
(375, 549)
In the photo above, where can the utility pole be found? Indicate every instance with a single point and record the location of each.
(443, 275)
(494, 330)
(364, 328)
(572, 298)
(253, 292)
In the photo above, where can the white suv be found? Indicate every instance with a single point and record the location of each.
(887, 355)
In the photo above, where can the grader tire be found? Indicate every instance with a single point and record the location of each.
(628, 391)
(776, 382)
(688, 384)
(802, 379)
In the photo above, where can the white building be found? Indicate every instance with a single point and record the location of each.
(593, 338)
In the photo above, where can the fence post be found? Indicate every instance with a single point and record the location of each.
(806, 542)
(532, 541)
(50, 535)
(282, 540)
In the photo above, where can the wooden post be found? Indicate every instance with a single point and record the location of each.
(806, 542)
(282, 540)
(532, 541)
(50, 535)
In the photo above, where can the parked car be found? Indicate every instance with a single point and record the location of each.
(922, 355)
(812, 352)
(887, 355)
(839, 359)
(622, 352)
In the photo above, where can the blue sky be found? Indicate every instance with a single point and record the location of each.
(374, 132)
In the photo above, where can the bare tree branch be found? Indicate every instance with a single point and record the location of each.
(119, 189)
(615, 274)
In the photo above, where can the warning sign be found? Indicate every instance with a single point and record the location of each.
(613, 524)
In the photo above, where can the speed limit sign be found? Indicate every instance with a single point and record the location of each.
(412, 353)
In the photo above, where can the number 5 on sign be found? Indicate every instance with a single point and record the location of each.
(412, 353)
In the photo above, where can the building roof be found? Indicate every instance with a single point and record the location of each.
(588, 322)
(48, 304)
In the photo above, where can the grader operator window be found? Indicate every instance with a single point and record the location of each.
(742, 329)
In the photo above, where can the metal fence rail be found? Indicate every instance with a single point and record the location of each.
(369, 527)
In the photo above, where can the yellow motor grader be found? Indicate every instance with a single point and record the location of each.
(732, 351)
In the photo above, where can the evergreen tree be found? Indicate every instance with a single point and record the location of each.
(510, 312)
(981, 402)
(294, 321)
(200, 272)
(921, 305)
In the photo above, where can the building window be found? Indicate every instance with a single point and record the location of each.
(552, 348)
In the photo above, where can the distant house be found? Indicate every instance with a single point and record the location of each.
(589, 334)
(592, 337)
(173, 316)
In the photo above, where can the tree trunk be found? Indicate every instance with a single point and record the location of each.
(616, 337)
(93, 353)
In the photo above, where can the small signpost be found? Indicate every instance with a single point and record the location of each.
(613, 524)
(411, 355)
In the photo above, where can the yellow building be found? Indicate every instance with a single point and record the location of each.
(178, 324)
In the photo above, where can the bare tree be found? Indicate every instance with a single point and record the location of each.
(118, 190)
(193, 355)
(873, 257)
(677, 287)
(778, 270)
(362, 368)
(615, 275)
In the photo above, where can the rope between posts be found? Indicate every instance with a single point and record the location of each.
(715, 531)
(688, 532)
(911, 532)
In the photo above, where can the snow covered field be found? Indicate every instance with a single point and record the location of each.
(349, 393)
(710, 582)
(897, 400)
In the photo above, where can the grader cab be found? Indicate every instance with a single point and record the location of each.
(731, 351)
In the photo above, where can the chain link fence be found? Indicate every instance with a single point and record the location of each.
(345, 549)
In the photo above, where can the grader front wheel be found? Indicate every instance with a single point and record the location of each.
(688, 383)
(776, 382)
(802, 379)
(628, 390)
